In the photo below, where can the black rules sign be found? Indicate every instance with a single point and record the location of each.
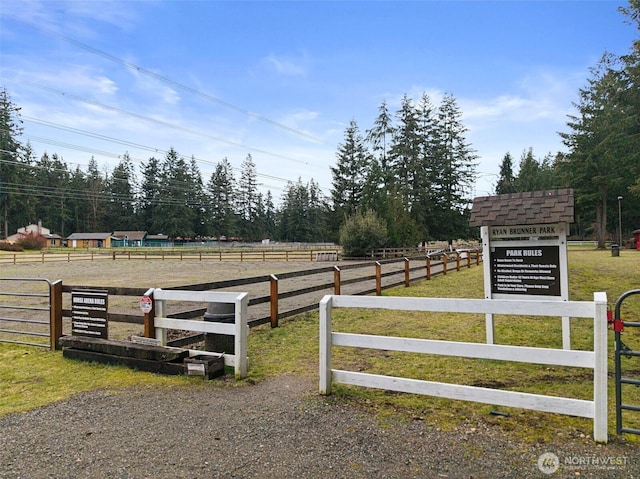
(529, 270)
(89, 313)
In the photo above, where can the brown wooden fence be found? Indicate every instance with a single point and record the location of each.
(182, 254)
(279, 296)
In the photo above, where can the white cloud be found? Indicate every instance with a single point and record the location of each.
(538, 96)
(286, 65)
(298, 119)
(70, 17)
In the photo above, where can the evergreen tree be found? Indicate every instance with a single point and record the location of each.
(173, 214)
(52, 180)
(455, 165)
(121, 197)
(78, 207)
(317, 213)
(405, 151)
(196, 199)
(150, 193)
(10, 171)
(220, 213)
(95, 191)
(426, 174)
(506, 180)
(595, 166)
(349, 174)
(374, 191)
(294, 213)
(379, 137)
(270, 217)
(247, 200)
(24, 202)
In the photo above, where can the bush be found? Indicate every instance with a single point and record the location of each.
(362, 233)
(32, 241)
(4, 246)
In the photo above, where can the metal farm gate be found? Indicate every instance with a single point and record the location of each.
(632, 376)
(28, 311)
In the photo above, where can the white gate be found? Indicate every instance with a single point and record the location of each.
(239, 328)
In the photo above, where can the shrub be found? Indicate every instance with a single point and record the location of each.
(362, 233)
(32, 241)
(5, 246)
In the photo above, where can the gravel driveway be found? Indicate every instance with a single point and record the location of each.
(277, 428)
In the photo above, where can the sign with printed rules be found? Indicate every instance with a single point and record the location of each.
(530, 270)
(89, 313)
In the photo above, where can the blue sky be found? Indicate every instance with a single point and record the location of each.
(282, 80)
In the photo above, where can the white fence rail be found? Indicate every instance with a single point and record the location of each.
(596, 359)
(239, 328)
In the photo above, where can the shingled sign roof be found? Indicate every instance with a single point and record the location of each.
(535, 207)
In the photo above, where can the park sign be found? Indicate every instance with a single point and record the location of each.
(524, 244)
(89, 313)
(528, 270)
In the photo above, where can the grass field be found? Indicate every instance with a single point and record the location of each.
(30, 378)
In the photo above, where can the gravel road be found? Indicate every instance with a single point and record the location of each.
(277, 428)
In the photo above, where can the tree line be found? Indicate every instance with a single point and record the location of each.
(413, 170)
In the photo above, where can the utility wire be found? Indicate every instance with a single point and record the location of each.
(163, 123)
(171, 82)
(131, 145)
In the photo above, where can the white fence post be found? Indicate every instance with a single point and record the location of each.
(600, 368)
(161, 333)
(242, 331)
(325, 345)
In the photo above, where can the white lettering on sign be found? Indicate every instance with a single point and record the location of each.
(85, 300)
(524, 252)
(525, 231)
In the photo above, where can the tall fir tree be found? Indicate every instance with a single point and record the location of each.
(270, 216)
(95, 191)
(52, 179)
(506, 178)
(379, 137)
(349, 175)
(10, 170)
(594, 165)
(196, 199)
(149, 197)
(221, 217)
(454, 164)
(247, 200)
(404, 153)
(121, 187)
(173, 214)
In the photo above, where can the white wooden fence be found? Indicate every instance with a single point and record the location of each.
(596, 359)
(239, 328)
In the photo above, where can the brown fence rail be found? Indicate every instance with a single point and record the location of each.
(278, 296)
(182, 254)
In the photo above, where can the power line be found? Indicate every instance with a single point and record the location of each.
(174, 83)
(129, 144)
(163, 123)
